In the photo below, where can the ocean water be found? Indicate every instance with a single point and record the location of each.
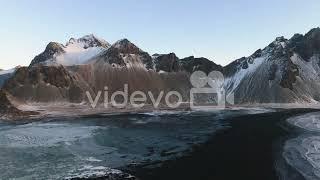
(99, 145)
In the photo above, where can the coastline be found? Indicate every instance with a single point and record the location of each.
(38, 111)
(241, 143)
(70, 110)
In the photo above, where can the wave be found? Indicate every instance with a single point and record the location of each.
(44, 135)
(89, 171)
(303, 152)
(310, 121)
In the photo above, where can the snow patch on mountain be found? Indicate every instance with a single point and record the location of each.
(79, 51)
(3, 72)
(231, 83)
(310, 70)
(76, 54)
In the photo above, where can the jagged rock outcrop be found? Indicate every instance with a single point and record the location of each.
(46, 83)
(8, 110)
(124, 53)
(306, 46)
(166, 62)
(171, 63)
(5, 105)
(191, 64)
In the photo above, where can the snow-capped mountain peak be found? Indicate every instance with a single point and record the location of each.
(124, 53)
(88, 41)
(54, 47)
(126, 47)
(76, 51)
(121, 42)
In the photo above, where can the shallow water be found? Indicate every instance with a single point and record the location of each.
(96, 145)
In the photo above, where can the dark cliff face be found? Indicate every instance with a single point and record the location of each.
(289, 75)
(112, 56)
(280, 53)
(306, 46)
(171, 63)
(191, 64)
(57, 76)
(5, 105)
(45, 83)
(8, 110)
(167, 63)
(126, 47)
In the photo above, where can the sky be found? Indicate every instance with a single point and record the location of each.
(221, 31)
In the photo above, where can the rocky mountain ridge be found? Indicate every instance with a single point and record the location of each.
(285, 71)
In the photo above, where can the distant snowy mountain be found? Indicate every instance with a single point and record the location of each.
(76, 51)
(2, 72)
(5, 74)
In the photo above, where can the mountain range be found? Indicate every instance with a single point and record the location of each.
(285, 71)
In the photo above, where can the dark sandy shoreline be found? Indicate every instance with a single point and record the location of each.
(249, 150)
